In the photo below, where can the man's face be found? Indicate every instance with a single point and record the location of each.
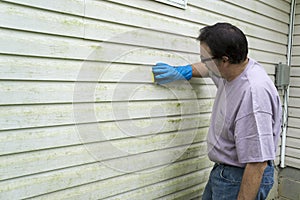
(210, 62)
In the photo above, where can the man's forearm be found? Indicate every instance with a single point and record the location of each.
(251, 180)
(199, 70)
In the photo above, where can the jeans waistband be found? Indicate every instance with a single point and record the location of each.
(270, 163)
(226, 165)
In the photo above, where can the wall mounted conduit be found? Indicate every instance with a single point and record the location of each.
(286, 89)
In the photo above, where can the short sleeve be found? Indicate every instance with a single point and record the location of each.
(254, 126)
(254, 138)
(215, 78)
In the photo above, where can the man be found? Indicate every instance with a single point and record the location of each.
(246, 117)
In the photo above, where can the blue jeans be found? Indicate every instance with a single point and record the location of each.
(224, 183)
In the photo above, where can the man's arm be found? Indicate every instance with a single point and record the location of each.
(251, 180)
(199, 70)
(164, 73)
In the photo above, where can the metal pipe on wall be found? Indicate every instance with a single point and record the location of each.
(286, 89)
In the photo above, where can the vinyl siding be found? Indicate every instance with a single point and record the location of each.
(80, 116)
(293, 137)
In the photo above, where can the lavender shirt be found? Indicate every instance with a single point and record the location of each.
(246, 118)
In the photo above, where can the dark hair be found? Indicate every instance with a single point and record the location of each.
(224, 39)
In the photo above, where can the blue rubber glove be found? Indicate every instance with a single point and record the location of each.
(164, 73)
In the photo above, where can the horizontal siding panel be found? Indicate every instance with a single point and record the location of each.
(25, 140)
(295, 92)
(269, 67)
(293, 142)
(296, 50)
(190, 193)
(19, 92)
(138, 36)
(29, 68)
(112, 33)
(296, 42)
(196, 15)
(267, 57)
(60, 24)
(140, 18)
(16, 117)
(100, 187)
(120, 185)
(61, 179)
(40, 20)
(297, 29)
(43, 69)
(296, 60)
(283, 5)
(295, 72)
(294, 112)
(246, 15)
(293, 132)
(292, 152)
(297, 16)
(294, 122)
(54, 23)
(15, 42)
(292, 162)
(294, 102)
(276, 9)
(18, 165)
(170, 187)
(128, 14)
(294, 82)
(267, 46)
(75, 7)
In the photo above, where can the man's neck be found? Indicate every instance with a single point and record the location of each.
(236, 70)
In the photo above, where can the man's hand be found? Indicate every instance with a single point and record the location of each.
(251, 180)
(164, 73)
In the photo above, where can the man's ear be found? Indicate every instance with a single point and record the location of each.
(225, 59)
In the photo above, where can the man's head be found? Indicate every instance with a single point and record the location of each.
(225, 41)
